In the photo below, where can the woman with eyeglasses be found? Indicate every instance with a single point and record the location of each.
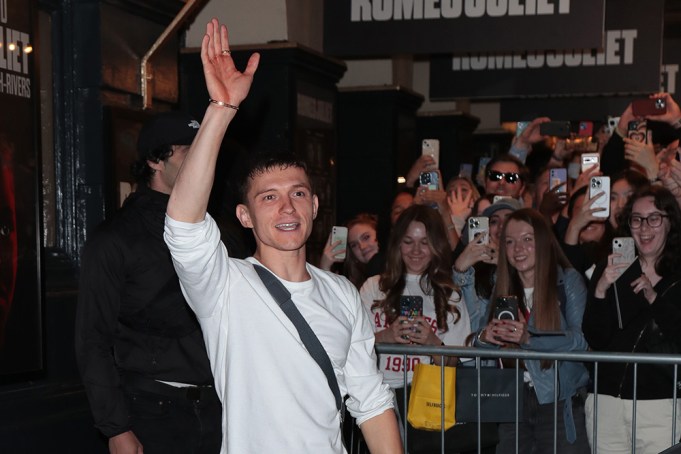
(636, 308)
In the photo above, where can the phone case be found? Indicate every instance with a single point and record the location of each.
(411, 306)
(589, 159)
(340, 233)
(555, 129)
(647, 106)
(478, 229)
(506, 308)
(586, 129)
(638, 130)
(557, 177)
(432, 147)
(431, 180)
(625, 247)
(520, 127)
(599, 185)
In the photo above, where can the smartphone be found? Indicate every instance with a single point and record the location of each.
(555, 129)
(478, 229)
(626, 248)
(482, 167)
(648, 106)
(597, 186)
(411, 306)
(430, 180)
(611, 125)
(638, 130)
(590, 159)
(558, 177)
(340, 233)
(506, 308)
(432, 147)
(586, 129)
(466, 170)
(520, 127)
(496, 198)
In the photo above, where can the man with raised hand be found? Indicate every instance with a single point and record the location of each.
(276, 397)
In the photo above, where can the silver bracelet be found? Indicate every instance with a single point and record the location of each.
(223, 104)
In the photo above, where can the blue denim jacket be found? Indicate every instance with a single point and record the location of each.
(476, 305)
(571, 375)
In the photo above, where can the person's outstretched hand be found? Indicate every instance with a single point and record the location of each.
(225, 83)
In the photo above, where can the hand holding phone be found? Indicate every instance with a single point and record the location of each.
(339, 233)
(638, 131)
(558, 179)
(648, 106)
(430, 180)
(431, 147)
(600, 185)
(555, 129)
(506, 308)
(625, 249)
(478, 229)
(590, 159)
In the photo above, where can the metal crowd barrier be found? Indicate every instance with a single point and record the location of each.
(516, 354)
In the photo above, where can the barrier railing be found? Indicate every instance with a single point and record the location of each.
(517, 355)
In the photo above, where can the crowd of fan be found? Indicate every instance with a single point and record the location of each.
(551, 246)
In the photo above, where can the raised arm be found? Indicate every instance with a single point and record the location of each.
(227, 88)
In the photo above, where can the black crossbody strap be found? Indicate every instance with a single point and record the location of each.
(314, 347)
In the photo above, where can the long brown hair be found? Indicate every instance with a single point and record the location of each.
(353, 269)
(435, 280)
(548, 256)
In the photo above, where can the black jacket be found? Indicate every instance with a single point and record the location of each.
(132, 317)
(646, 328)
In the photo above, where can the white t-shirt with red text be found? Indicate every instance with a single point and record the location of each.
(392, 366)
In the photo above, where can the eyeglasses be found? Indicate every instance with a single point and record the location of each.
(654, 220)
(510, 177)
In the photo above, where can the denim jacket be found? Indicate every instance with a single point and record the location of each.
(571, 375)
(476, 305)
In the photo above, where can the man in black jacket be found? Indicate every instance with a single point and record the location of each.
(139, 347)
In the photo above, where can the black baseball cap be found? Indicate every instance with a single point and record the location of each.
(167, 128)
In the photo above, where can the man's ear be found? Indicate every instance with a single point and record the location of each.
(315, 206)
(244, 216)
(156, 165)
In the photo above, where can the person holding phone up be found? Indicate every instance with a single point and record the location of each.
(418, 267)
(637, 309)
(551, 296)
(359, 254)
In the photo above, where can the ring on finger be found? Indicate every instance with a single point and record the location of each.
(226, 52)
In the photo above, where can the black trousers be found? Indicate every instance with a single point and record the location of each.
(169, 420)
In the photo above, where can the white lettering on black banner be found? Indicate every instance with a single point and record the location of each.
(619, 50)
(15, 47)
(386, 10)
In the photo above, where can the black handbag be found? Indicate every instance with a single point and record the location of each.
(499, 389)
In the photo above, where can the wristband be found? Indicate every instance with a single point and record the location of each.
(223, 104)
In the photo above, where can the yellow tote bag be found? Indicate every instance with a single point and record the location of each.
(424, 410)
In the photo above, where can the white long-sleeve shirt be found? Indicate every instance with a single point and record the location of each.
(275, 396)
(392, 366)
